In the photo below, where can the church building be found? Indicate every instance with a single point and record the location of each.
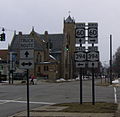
(53, 54)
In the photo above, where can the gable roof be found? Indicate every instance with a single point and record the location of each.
(55, 39)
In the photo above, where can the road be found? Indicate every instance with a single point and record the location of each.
(13, 97)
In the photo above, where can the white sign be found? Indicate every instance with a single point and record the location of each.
(26, 43)
(94, 48)
(92, 33)
(92, 64)
(80, 41)
(80, 56)
(80, 48)
(93, 56)
(80, 33)
(80, 64)
(26, 64)
(27, 54)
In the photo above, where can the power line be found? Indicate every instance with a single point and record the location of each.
(6, 29)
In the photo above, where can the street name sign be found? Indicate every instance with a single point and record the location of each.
(92, 33)
(26, 64)
(80, 56)
(93, 56)
(80, 64)
(80, 33)
(27, 54)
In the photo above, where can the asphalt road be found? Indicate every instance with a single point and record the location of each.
(13, 97)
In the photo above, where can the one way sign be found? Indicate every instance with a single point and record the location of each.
(26, 64)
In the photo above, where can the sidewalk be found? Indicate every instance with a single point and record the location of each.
(52, 111)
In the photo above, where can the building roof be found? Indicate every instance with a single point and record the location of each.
(3, 54)
(55, 39)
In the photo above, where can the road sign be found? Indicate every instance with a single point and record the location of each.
(92, 33)
(80, 41)
(80, 64)
(27, 54)
(92, 64)
(80, 48)
(26, 64)
(80, 33)
(92, 48)
(93, 56)
(80, 56)
(26, 43)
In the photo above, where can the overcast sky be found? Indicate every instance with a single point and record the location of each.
(21, 15)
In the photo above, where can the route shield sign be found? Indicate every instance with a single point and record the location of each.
(93, 56)
(92, 33)
(80, 56)
(80, 33)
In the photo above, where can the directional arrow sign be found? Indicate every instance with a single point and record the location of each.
(26, 64)
(26, 54)
(80, 64)
(92, 64)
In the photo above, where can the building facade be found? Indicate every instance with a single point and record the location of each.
(53, 53)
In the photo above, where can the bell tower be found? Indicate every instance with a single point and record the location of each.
(68, 47)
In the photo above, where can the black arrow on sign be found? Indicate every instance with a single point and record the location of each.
(26, 53)
(29, 64)
(93, 40)
(80, 64)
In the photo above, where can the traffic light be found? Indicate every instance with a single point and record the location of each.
(2, 37)
(67, 47)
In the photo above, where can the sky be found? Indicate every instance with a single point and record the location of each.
(21, 15)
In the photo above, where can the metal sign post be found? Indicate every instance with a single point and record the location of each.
(27, 61)
(90, 55)
(28, 110)
(81, 86)
(93, 86)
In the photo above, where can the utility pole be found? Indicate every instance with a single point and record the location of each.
(110, 59)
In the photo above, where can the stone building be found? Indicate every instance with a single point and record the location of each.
(53, 53)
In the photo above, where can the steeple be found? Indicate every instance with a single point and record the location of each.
(32, 28)
(69, 19)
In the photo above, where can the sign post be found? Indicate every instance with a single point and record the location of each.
(90, 55)
(28, 109)
(93, 85)
(27, 61)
